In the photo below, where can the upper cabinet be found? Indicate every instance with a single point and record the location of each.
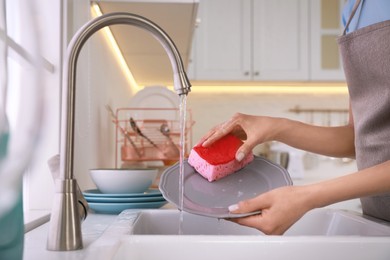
(280, 39)
(266, 40)
(325, 62)
(222, 47)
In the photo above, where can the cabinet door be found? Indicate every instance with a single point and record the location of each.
(280, 44)
(325, 28)
(222, 46)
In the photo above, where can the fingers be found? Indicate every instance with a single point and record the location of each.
(263, 221)
(251, 221)
(214, 136)
(217, 133)
(250, 205)
(278, 213)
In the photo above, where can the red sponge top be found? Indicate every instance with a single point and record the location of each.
(220, 152)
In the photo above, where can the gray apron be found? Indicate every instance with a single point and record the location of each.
(366, 60)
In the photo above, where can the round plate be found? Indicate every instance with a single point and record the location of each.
(124, 200)
(97, 193)
(152, 95)
(115, 208)
(212, 199)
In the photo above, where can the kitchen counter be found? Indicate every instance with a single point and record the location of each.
(92, 229)
(323, 233)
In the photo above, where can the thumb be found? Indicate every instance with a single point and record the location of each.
(243, 151)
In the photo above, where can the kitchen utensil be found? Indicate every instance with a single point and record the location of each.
(124, 199)
(138, 131)
(212, 199)
(123, 131)
(116, 208)
(97, 193)
(279, 157)
(171, 149)
(123, 180)
(164, 129)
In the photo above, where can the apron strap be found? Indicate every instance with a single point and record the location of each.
(355, 7)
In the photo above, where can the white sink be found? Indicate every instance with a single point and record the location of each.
(320, 234)
(322, 222)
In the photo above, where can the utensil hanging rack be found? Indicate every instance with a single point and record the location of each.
(298, 110)
(143, 127)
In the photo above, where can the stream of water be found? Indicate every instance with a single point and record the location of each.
(183, 115)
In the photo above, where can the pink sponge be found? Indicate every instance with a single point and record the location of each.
(218, 160)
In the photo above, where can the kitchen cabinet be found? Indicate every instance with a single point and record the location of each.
(251, 40)
(325, 27)
(267, 40)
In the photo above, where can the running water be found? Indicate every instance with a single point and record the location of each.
(183, 114)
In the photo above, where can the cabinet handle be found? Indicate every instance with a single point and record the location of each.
(256, 73)
(246, 73)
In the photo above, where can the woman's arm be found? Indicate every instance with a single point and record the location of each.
(368, 182)
(330, 141)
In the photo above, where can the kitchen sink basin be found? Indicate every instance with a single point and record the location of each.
(167, 222)
(323, 222)
(320, 234)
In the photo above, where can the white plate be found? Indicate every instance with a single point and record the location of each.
(155, 102)
(212, 199)
(155, 96)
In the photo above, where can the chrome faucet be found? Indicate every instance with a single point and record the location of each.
(65, 222)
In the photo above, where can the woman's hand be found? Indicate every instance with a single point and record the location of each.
(254, 129)
(329, 141)
(280, 209)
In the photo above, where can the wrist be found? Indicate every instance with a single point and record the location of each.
(280, 126)
(316, 197)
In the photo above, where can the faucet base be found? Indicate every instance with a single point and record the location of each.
(65, 224)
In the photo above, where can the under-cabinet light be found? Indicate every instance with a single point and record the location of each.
(293, 88)
(95, 11)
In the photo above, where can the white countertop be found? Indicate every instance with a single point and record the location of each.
(92, 229)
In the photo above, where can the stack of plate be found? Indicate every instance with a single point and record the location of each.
(116, 203)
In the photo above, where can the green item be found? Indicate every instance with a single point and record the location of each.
(12, 232)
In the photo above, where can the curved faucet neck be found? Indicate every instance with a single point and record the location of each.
(65, 230)
(182, 85)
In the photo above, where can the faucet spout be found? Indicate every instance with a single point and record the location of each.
(65, 227)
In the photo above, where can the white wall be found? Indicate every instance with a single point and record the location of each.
(99, 82)
(102, 83)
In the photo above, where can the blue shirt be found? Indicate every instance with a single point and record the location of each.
(371, 12)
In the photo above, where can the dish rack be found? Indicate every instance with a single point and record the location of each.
(150, 134)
